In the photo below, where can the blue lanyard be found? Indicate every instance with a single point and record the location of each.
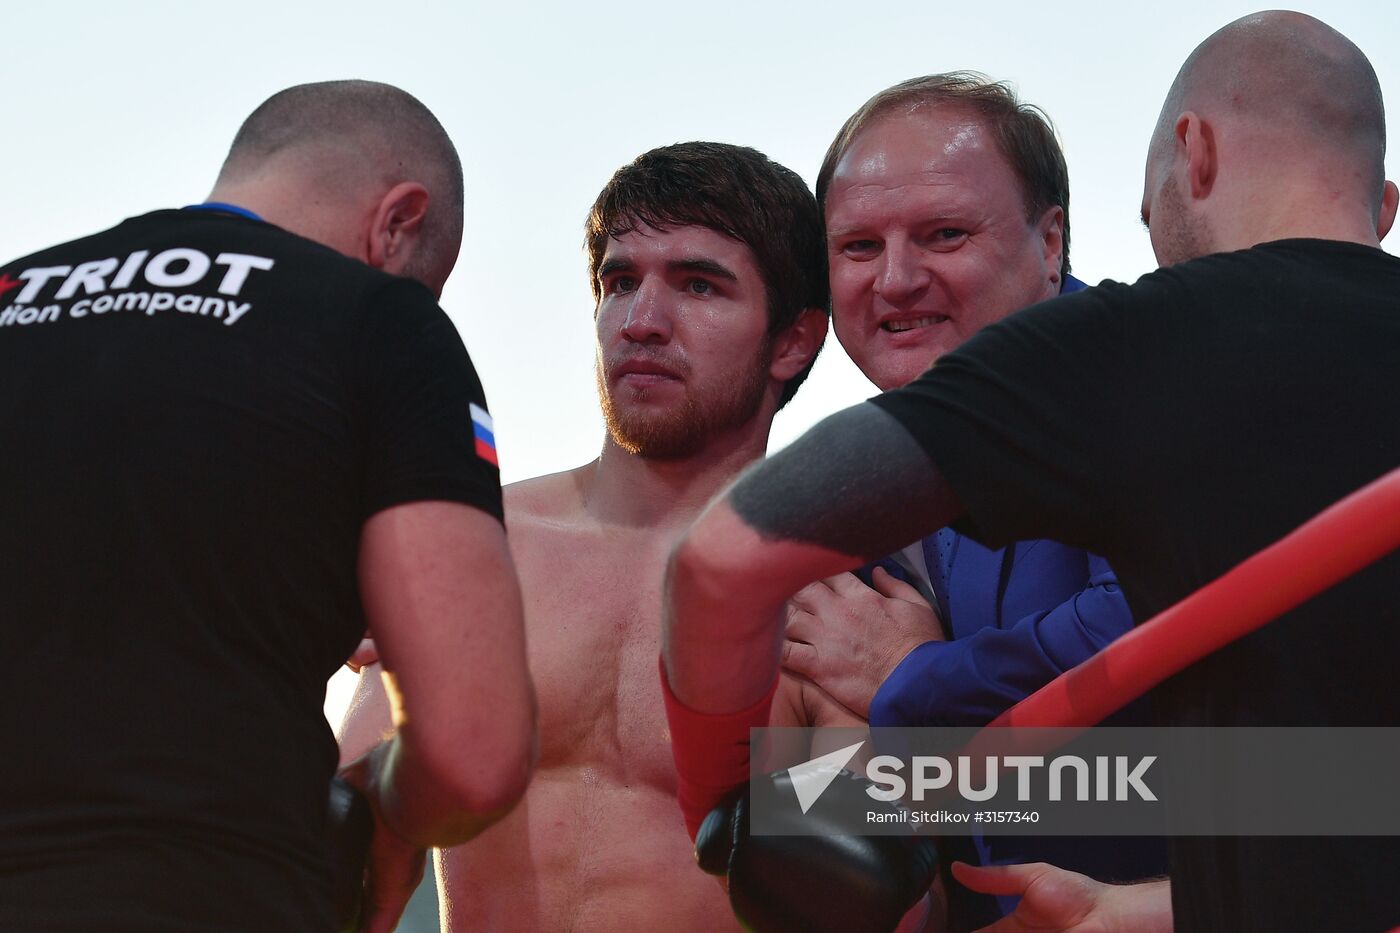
(221, 206)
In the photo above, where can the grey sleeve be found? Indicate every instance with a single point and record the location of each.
(857, 483)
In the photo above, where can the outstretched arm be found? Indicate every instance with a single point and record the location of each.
(854, 487)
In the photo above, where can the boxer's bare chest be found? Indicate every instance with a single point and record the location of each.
(592, 608)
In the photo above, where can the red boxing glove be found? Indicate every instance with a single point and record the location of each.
(711, 751)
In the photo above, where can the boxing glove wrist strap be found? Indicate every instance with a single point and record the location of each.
(711, 751)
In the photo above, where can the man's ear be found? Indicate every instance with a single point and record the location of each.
(797, 345)
(395, 226)
(1390, 197)
(1197, 138)
(1051, 229)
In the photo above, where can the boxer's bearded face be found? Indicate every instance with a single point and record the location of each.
(684, 428)
(683, 349)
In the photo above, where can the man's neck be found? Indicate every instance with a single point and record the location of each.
(281, 201)
(627, 489)
(1263, 219)
(1361, 234)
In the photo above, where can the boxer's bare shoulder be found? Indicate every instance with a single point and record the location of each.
(598, 842)
(553, 499)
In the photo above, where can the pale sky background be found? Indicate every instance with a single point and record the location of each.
(116, 108)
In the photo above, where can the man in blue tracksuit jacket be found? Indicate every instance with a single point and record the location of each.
(946, 202)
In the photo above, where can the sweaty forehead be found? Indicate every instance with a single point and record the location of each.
(690, 243)
(909, 145)
(938, 154)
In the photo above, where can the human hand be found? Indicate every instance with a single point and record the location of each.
(930, 915)
(394, 872)
(1053, 899)
(819, 709)
(393, 867)
(847, 638)
(365, 655)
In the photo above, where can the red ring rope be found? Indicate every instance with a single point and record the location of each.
(1338, 542)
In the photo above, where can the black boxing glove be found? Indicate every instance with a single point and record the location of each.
(809, 883)
(351, 827)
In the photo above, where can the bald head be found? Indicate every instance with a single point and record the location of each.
(1293, 87)
(1274, 129)
(334, 150)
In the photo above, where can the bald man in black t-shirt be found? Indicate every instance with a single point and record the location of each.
(235, 435)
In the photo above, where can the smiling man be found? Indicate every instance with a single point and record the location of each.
(707, 265)
(947, 208)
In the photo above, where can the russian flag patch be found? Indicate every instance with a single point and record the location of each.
(484, 430)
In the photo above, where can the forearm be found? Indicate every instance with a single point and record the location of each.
(721, 646)
(413, 804)
(383, 767)
(443, 604)
(820, 507)
(710, 751)
(722, 638)
(782, 526)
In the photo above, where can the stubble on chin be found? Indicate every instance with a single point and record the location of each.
(687, 427)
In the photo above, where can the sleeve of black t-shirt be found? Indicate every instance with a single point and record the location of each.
(420, 385)
(1026, 421)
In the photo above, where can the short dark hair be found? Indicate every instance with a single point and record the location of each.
(397, 123)
(1022, 131)
(736, 191)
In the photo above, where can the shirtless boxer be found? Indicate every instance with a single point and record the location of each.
(708, 266)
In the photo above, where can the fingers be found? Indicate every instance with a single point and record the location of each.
(812, 597)
(846, 584)
(801, 624)
(391, 885)
(825, 709)
(1051, 898)
(887, 584)
(365, 655)
(799, 658)
(1000, 879)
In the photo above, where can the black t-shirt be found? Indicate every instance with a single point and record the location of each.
(1177, 426)
(198, 413)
